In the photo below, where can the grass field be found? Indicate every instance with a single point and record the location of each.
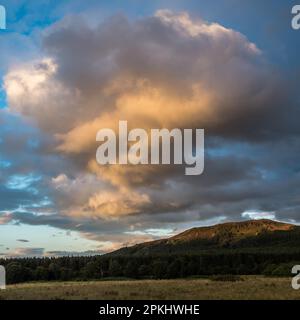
(250, 287)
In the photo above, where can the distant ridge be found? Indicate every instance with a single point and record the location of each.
(233, 229)
(261, 234)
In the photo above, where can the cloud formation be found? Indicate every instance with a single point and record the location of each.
(164, 71)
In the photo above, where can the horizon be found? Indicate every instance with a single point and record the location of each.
(88, 254)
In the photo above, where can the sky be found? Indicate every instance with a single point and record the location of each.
(70, 68)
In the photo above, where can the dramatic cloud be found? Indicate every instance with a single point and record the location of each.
(164, 71)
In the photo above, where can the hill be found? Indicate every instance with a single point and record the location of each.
(265, 235)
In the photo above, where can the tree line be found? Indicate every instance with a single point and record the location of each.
(152, 266)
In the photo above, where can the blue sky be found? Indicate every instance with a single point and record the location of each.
(55, 74)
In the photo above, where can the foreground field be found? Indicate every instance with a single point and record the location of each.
(251, 287)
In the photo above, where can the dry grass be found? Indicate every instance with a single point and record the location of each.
(252, 287)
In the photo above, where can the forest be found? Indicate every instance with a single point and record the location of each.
(170, 266)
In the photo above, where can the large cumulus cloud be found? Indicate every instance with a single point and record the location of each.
(164, 71)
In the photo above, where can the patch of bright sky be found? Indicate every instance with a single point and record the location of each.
(154, 232)
(20, 182)
(44, 203)
(50, 238)
(258, 215)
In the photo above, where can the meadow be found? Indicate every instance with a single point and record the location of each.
(244, 287)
